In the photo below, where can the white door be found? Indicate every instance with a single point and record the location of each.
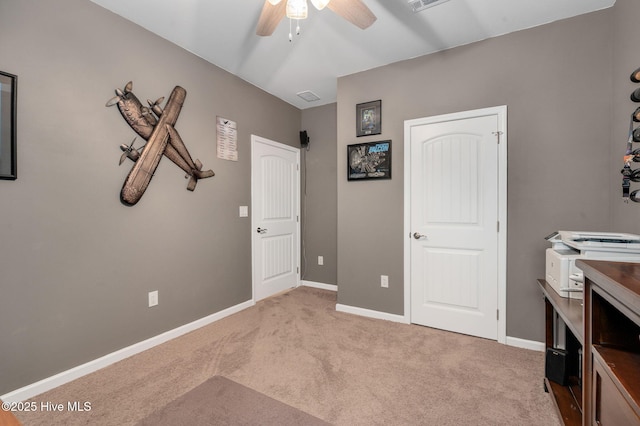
(454, 222)
(275, 219)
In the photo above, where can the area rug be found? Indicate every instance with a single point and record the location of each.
(220, 401)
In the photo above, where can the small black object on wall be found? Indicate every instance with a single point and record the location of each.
(304, 139)
(635, 76)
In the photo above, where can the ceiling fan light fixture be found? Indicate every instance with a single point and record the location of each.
(297, 9)
(274, 2)
(320, 4)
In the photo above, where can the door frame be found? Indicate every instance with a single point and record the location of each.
(501, 113)
(254, 224)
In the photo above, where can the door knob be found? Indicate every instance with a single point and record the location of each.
(419, 236)
(261, 230)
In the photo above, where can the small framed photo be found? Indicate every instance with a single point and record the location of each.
(369, 118)
(370, 160)
(8, 98)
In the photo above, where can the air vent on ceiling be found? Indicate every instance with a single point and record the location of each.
(308, 96)
(418, 5)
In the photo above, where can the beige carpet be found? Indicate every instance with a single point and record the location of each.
(344, 369)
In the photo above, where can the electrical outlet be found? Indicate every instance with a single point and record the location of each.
(384, 281)
(153, 298)
(320, 260)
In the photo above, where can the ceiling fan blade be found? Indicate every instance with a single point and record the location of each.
(354, 11)
(270, 17)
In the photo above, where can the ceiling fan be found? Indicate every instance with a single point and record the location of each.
(354, 11)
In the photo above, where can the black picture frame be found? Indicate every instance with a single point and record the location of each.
(369, 161)
(369, 118)
(8, 111)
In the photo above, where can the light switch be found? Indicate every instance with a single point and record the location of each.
(244, 211)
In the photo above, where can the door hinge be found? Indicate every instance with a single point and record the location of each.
(498, 226)
(297, 269)
(497, 314)
(297, 218)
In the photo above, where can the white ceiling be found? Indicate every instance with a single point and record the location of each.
(223, 33)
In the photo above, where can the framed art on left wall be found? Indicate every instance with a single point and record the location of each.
(8, 100)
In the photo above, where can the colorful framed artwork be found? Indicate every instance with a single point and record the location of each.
(368, 161)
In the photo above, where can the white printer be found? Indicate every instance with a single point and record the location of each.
(567, 246)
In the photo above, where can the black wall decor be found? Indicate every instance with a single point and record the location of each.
(370, 160)
(369, 118)
(632, 155)
(8, 140)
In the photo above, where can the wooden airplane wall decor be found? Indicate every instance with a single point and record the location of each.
(155, 125)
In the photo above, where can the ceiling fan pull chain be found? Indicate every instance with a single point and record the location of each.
(290, 35)
(297, 27)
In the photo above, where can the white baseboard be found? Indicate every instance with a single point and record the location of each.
(370, 313)
(49, 383)
(525, 344)
(331, 287)
(510, 341)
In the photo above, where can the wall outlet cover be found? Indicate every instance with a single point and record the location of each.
(153, 298)
(384, 281)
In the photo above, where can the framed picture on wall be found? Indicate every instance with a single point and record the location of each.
(8, 97)
(368, 161)
(369, 118)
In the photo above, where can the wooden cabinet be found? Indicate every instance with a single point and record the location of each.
(612, 336)
(606, 327)
(610, 403)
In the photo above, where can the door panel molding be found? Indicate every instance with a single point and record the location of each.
(501, 138)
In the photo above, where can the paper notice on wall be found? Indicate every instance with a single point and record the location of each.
(227, 139)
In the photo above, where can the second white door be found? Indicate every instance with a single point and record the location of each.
(454, 224)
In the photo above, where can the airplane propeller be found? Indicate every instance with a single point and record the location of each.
(155, 106)
(127, 150)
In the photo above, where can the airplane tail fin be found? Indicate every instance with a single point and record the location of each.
(198, 174)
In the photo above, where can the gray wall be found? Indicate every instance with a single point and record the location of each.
(319, 203)
(556, 81)
(76, 265)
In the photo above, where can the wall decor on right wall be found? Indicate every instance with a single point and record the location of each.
(369, 118)
(371, 160)
(632, 155)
